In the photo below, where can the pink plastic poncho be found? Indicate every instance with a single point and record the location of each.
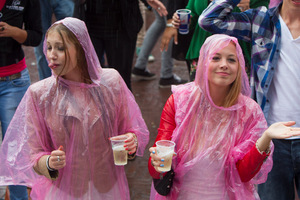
(211, 139)
(80, 117)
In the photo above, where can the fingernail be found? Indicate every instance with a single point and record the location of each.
(126, 149)
(125, 145)
(129, 153)
(153, 152)
(162, 160)
(161, 165)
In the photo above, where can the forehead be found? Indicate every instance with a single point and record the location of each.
(230, 49)
(54, 37)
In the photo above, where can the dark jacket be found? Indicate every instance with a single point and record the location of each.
(19, 13)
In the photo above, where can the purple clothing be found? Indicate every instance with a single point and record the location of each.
(211, 139)
(80, 117)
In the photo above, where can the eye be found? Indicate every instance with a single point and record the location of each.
(215, 58)
(232, 60)
(49, 48)
(61, 48)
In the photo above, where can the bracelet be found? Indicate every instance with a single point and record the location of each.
(169, 25)
(267, 151)
(135, 139)
(47, 164)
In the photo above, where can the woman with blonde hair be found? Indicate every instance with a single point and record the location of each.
(223, 144)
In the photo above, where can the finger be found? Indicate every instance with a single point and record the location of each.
(152, 150)
(176, 38)
(61, 148)
(290, 123)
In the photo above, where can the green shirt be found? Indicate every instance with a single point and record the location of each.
(200, 35)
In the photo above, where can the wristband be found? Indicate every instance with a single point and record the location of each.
(47, 164)
(169, 25)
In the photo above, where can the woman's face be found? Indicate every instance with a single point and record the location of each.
(58, 61)
(223, 68)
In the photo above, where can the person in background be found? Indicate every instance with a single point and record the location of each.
(274, 34)
(113, 27)
(199, 36)
(20, 24)
(221, 136)
(62, 126)
(60, 9)
(140, 71)
(179, 42)
(140, 38)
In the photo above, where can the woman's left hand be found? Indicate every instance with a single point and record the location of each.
(282, 130)
(131, 143)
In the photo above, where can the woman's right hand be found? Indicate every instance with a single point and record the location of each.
(167, 36)
(57, 159)
(176, 20)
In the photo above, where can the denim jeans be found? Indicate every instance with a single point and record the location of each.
(11, 93)
(152, 35)
(61, 9)
(285, 172)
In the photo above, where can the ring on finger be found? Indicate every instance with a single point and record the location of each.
(158, 8)
(58, 159)
(152, 163)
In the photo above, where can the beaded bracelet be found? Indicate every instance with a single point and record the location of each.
(47, 164)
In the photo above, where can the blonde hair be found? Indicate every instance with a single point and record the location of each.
(235, 90)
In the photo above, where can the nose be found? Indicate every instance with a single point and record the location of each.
(223, 64)
(51, 54)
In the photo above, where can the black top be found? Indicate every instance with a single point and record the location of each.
(19, 13)
(112, 16)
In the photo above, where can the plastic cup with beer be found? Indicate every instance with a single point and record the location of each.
(184, 16)
(119, 152)
(165, 150)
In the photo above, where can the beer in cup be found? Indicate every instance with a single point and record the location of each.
(165, 150)
(119, 152)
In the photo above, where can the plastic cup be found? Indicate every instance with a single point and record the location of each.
(184, 16)
(165, 150)
(119, 152)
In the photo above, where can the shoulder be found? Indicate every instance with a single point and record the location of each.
(250, 105)
(41, 87)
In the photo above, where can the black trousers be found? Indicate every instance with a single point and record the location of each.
(119, 49)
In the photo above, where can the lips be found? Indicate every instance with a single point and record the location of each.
(222, 73)
(53, 66)
(296, 2)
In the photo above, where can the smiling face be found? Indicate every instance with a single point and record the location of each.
(61, 55)
(223, 68)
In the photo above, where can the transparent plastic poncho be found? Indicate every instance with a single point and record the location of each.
(80, 117)
(211, 139)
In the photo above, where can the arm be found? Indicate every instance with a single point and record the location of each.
(253, 160)
(220, 18)
(165, 131)
(48, 165)
(32, 34)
